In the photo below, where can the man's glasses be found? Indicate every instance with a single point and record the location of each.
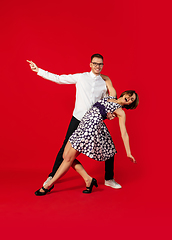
(97, 64)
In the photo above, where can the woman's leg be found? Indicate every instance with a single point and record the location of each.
(69, 156)
(77, 166)
(69, 160)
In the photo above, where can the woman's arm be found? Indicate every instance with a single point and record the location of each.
(111, 89)
(122, 118)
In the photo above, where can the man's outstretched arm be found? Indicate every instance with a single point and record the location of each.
(60, 79)
(33, 66)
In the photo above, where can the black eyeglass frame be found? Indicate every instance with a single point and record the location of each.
(97, 64)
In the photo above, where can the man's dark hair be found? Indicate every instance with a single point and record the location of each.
(96, 55)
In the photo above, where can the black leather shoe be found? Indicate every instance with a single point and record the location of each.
(38, 193)
(93, 183)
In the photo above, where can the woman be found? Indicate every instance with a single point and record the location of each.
(93, 139)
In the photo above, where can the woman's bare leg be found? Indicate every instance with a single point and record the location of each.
(69, 160)
(77, 166)
(70, 155)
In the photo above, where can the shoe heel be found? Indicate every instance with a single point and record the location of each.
(95, 183)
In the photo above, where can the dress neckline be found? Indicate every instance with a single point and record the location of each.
(110, 97)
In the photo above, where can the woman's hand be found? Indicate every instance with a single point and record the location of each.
(33, 66)
(110, 116)
(132, 158)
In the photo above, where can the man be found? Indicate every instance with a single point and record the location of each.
(90, 87)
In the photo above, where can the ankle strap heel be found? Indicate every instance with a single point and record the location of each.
(93, 183)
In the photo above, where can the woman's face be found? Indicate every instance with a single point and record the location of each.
(129, 99)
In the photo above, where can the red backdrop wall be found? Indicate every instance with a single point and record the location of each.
(60, 37)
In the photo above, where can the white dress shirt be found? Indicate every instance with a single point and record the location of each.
(89, 89)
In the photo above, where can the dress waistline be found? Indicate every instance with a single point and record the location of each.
(102, 109)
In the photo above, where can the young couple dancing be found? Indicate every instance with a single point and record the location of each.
(87, 133)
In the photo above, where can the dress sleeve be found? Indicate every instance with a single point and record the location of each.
(60, 79)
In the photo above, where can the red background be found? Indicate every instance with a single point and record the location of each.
(134, 38)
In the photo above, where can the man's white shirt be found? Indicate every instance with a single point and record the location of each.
(89, 88)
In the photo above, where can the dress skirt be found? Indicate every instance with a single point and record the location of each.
(92, 137)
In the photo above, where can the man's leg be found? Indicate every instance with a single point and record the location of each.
(59, 159)
(109, 174)
(109, 169)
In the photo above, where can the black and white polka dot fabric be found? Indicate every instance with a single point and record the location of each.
(92, 137)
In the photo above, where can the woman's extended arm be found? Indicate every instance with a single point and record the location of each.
(121, 115)
(111, 89)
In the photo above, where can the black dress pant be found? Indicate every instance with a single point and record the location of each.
(109, 164)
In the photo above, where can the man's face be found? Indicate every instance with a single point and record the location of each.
(96, 65)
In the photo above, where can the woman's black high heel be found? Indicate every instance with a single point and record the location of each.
(93, 183)
(38, 193)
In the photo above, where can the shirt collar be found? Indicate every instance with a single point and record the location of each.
(94, 76)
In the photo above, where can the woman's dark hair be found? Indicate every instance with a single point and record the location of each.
(96, 55)
(134, 104)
